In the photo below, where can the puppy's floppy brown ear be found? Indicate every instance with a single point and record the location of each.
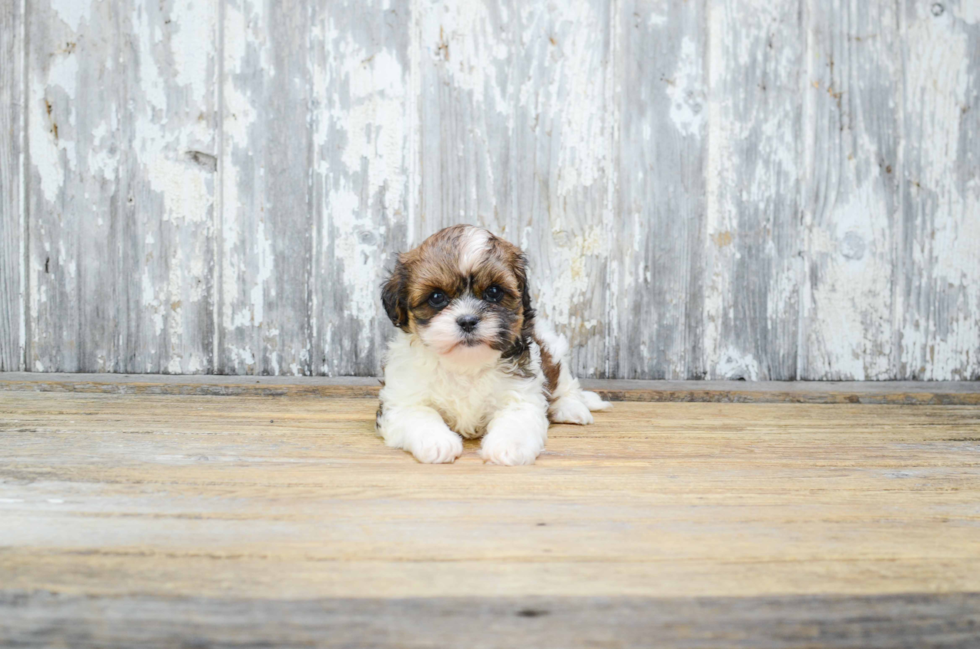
(520, 270)
(394, 297)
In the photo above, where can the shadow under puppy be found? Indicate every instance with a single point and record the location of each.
(469, 359)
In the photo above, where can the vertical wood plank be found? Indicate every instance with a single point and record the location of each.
(362, 123)
(76, 145)
(173, 185)
(12, 213)
(266, 220)
(752, 249)
(518, 115)
(938, 292)
(736, 189)
(122, 141)
(656, 272)
(852, 201)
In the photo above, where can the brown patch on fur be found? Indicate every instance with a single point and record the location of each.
(550, 368)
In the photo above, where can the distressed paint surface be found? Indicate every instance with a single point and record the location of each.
(752, 267)
(266, 221)
(853, 98)
(706, 189)
(362, 120)
(656, 271)
(12, 321)
(517, 135)
(121, 135)
(939, 286)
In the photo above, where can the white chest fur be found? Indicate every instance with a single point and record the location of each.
(465, 397)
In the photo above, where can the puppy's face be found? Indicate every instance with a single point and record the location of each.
(463, 292)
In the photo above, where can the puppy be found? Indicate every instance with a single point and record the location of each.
(469, 359)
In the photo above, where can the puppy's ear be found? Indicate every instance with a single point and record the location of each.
(394, 297)
(520, 271)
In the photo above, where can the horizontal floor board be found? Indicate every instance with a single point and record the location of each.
(920, 620)
(283, 520)
(868, 392)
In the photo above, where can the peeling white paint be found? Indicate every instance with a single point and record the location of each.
(460, 36)
(152, 302)
(852, 291)
(152, 82)
(362, 139)
(191, 43)
(969, 11)
(686, 90)
(247, 254)
(946, 256)
(719, 176)
(185, 194)
(50, 147)
(570, 264)
(734, 365)
(362, 291)
(375, 121)
(231, 257)
(101, 160)
(265, 262)
(580, 91)
(524, 138)
(72, 12)
(63, 74)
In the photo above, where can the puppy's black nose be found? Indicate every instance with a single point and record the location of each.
(467, 322)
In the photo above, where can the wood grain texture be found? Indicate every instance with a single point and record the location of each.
(217, 511)
(267, 212)
(517, 129)
(921, 620)
(938, 287)
(752, 266)
(122, 141)
(12, 211)
(936, 393)
(853, 99)
(706, 190)
(662, 153)
(363, 128)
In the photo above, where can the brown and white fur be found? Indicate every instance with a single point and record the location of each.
(469, 358)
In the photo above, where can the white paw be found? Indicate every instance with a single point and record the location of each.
(594, 401)
(510, 450)
(438, 447)
(568, 410)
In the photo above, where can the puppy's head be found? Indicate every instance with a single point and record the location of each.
(464, 293)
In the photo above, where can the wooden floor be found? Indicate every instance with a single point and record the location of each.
(280, 521)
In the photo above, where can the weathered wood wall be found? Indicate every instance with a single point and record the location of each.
(760, 189)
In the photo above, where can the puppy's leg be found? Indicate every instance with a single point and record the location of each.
(516, 434)
(570, 404)
(422, 432)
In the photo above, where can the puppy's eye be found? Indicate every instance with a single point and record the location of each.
(438, 300)
(493, 294)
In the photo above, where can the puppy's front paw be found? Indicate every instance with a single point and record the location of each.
(439, 447)
(570, 411)
(510, 450)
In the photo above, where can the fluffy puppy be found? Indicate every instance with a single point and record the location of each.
(468, 358)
